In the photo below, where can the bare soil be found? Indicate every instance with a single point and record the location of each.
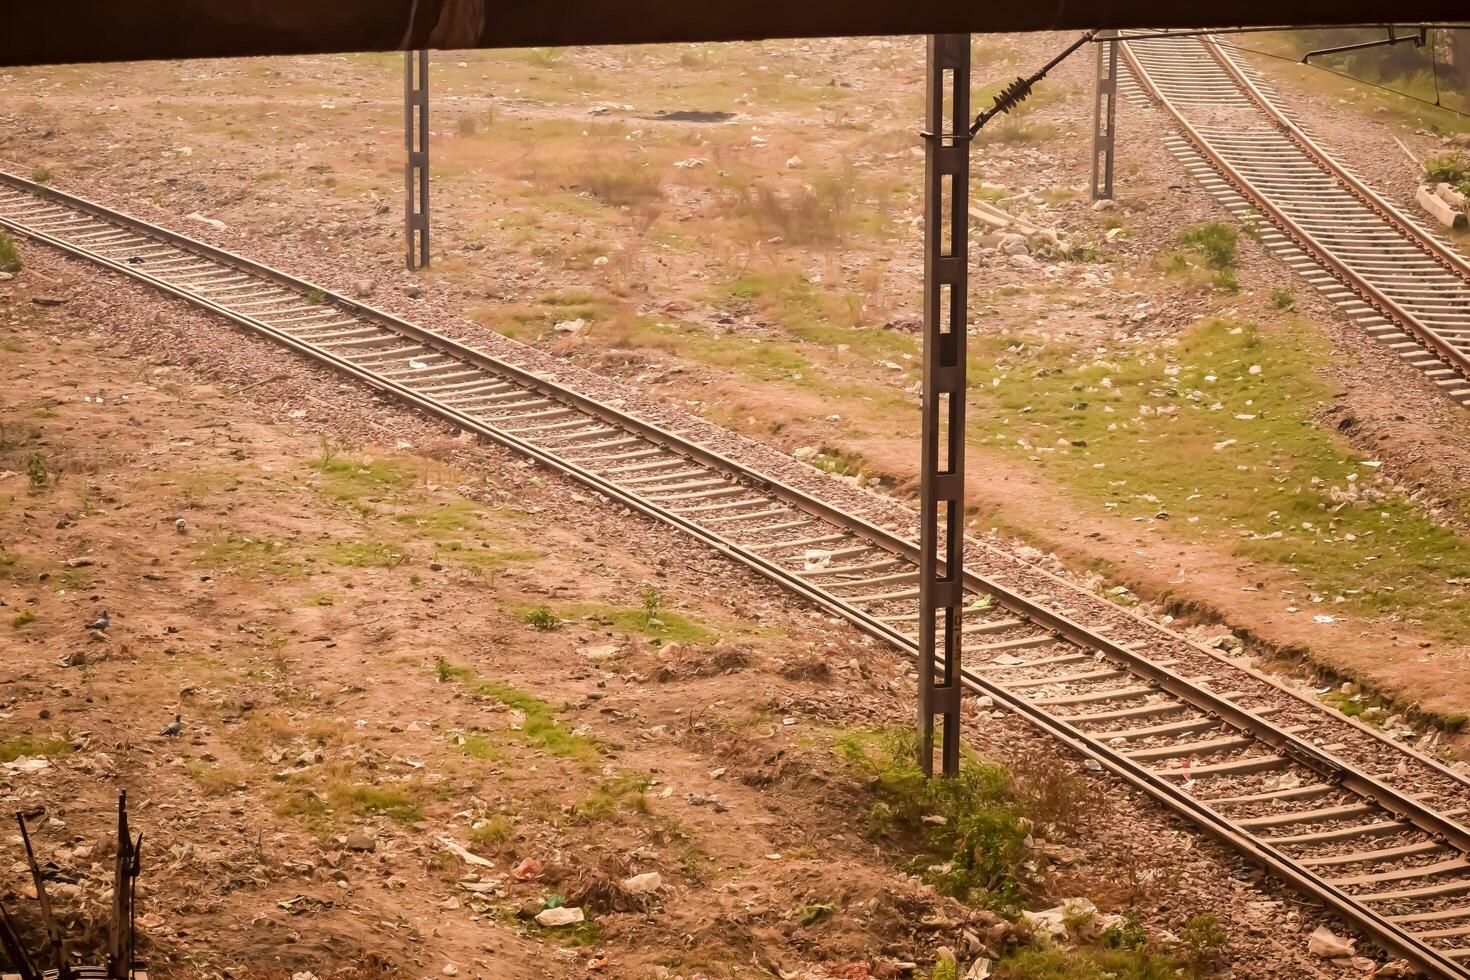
(322, 600)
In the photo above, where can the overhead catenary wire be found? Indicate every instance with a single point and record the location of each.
(1354, 78)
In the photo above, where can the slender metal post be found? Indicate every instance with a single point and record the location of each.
(1104, 115)
(416, 165)
(942, 494)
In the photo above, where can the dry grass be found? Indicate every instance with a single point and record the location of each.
(818, 213)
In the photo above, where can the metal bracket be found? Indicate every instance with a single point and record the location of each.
(416, 164)
(942, 493)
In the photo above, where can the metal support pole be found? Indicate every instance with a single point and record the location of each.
(416, 165)
(942, 506)
(1104, 116)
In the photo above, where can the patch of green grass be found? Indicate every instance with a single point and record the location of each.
(241, 553)
(363, 799)
(493, 832)
(23, 618)
(214, 780)
(320, 600)
(622, 793)
(358, 481)
(661, 624)
(1233, 408)
(41, 175)
(363, 554)
(977, 851)
(1282, 299)
(480, 558)
(540, 729)
(33, 747)
(478, 746)
(1207, 253)
(1088, 963)
(9, 255)
(447, 519)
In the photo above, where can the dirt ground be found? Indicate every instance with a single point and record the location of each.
(756, 265)
(345, 628)
(340, 600)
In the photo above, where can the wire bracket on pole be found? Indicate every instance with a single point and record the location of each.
(416, 164)
(1105, 116)
(942, 495)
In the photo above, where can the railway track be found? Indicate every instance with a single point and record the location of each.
(1369, 828)
(1403, 285)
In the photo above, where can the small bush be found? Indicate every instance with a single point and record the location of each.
(495, 831)
(651, 602)
(1214, 241)
(23, 618)
(1452, 168)
(819, 213)
(9, 257)
(1201, 940)
(972, 827)
(542, 618)
(620, 184)
(36, 471)
(1282, 299)
(41, 175)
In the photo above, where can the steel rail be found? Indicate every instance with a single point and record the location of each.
(1386, 305)
(1299, 876)
(1446, 256)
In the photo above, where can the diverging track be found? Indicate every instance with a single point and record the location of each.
(1367, 827)
(1404, 286)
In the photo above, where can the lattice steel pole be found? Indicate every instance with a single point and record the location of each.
(942, 506)
(416, 165)
(1104, 115)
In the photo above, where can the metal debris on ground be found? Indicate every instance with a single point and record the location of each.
(53, 962)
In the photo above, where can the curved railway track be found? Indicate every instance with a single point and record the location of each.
(1402, 284)
(1367, 827)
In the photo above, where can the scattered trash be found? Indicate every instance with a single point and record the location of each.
(214, 223)
(459, 851)
(981, 968)
(560, 916)
(528, 870)
(1328, 945)
(649, 881)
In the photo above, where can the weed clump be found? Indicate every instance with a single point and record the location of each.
(1211, 245)
(9, 256)
(818, 213)
(542, 618)
(23, 618)
(1451, 168)
(36, 471)
(621, 184)
(33, 747)
(971, 829)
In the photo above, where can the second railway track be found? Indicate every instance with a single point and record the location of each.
(1367, 827)
(1399, 282)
